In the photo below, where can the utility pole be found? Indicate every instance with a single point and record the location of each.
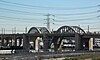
(26, 30)
(88, 28)
(15, 29)
(12, 30)
(3, 30)
(48, 20)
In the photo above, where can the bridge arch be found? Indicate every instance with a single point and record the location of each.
(38, 30)
(43, 30)
(57, 41)
(33, 30)
(78, 29)
(65, 29)
(37, 42)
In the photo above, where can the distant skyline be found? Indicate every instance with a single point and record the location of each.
(31, 13)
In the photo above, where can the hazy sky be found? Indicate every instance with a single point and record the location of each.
(28, 13)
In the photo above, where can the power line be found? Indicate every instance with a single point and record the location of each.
(77, 16)
(25, 19)
(19, 25)
(25, 12)
(15, 19)
(74, 19)
(45, 8)
(91, 23)
(55, 8)
(16, 6)
(19, 13)
(29, 20)
(79, 13)
(81, 23)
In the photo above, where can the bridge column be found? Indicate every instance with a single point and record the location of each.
(7, 41)
(37, 45)
(55, 46)
(15, 40)
(10, 42)
(86, 43)
(26, 45)
(91, 43)
(54, 43)
(20, 42)
(2, 41)
(33, 46)
(78, 42)
(45, 43)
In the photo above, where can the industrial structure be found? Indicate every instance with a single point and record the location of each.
(41, 39)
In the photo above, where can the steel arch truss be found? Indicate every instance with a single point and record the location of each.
(78, 29)
(65, 29)
(70, 29)
(35, 41)
(39, 30)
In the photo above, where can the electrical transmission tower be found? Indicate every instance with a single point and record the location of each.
(48, 20)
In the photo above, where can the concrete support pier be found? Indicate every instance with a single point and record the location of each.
(37, 44)
(91, 43)
(45, 43)
(26, 45)
(86, 44)
(78, 42)
(2, 41)
(15, 41)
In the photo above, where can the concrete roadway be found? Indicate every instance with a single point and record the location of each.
(46, 55)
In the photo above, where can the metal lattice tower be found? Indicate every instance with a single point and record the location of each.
(48, 20)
